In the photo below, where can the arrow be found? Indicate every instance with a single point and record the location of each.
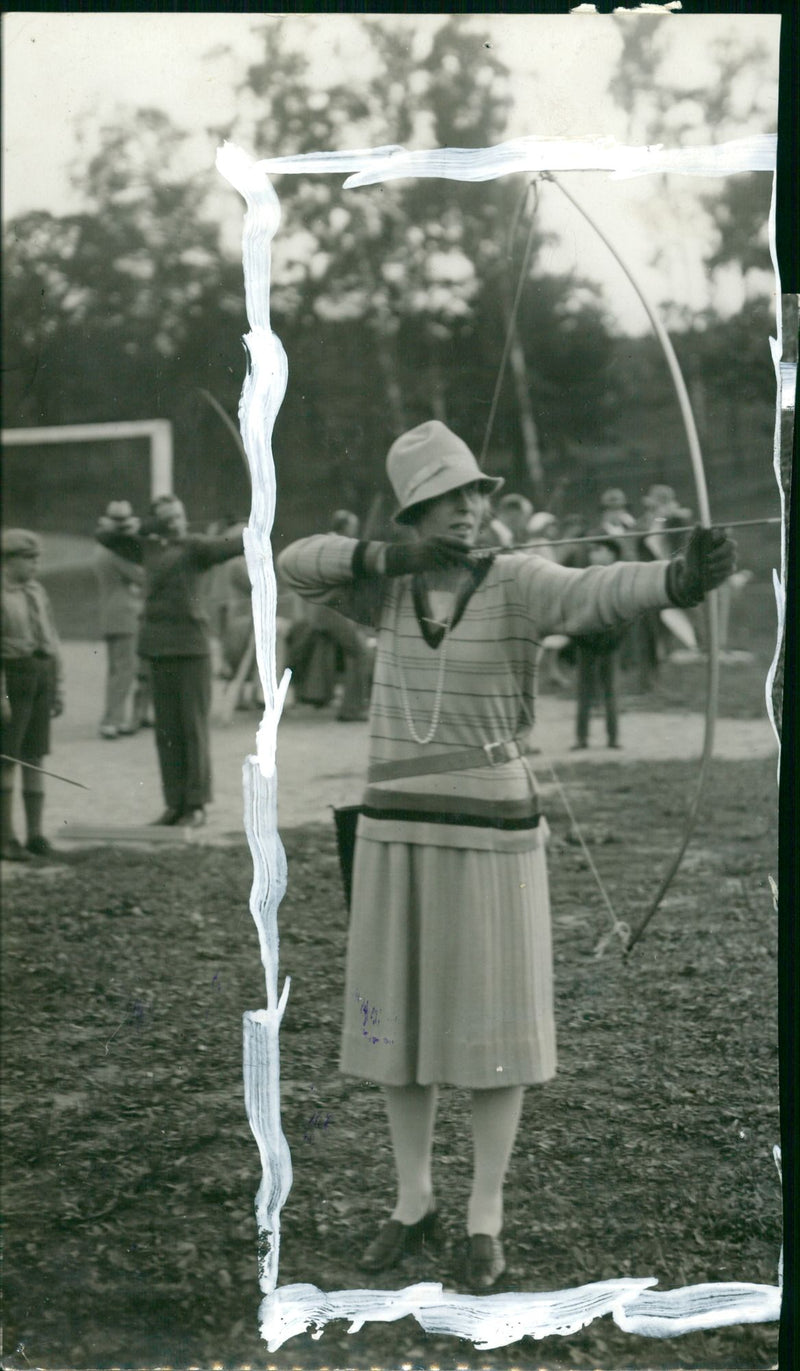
(634, 533)
(17, 762)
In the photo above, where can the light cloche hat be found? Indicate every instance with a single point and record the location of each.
(429, 461)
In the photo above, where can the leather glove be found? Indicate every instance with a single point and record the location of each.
(428, 554)
(57, 707)
(708, 559)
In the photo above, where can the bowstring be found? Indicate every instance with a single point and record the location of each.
(512, 318)
(618, 927)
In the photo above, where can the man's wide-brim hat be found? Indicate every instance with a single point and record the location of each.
(662, 500)
(120, 511)
(539, 522)
(428, 461)
(19, 542)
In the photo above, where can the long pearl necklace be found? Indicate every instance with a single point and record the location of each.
(437, 699)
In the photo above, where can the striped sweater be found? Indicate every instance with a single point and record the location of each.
(477, 681)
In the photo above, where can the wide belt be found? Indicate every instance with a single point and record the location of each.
(490, 754)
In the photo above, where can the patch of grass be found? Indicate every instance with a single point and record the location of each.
(130, 1172)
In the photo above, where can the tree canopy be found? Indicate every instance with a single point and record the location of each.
(393, 302)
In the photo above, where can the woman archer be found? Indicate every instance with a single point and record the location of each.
(449, 963)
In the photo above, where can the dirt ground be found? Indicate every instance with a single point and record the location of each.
(130, 1172)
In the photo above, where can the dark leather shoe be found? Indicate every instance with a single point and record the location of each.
(166, 820)
(485, 1261)
(396, 1240)
(193, 818)
(13, 851)
(39, 846)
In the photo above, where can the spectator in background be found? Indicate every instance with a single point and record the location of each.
(347, 523)
(233, 615)
(31, 692)
(175, 640)
(727, 594)
(615, 516)
(493, 532)
(234, 610)
(513, 514)
(573, 554)
(320, 641)
(596, 657)
(660, 511)
(541, 531)
(119, 584)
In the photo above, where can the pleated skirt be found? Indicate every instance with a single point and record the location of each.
(449, 967)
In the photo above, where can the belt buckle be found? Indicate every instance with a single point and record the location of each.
(489, 749)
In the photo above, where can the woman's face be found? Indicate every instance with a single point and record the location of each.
(458, 514)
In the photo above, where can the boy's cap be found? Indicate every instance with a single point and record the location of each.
(19, 542)
(518, 503)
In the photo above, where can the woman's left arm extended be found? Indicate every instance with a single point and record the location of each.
(575, 602)
(346, 574)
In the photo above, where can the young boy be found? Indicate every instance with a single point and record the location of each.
(31, 692)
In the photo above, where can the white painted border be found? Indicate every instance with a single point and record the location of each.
(287, 1311)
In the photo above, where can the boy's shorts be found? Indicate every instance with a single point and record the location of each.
(30, 686)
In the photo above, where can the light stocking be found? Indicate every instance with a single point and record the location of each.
(411, 1110)
(495, 1119)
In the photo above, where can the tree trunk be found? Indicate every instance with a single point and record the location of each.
(437, 390)
(391, 383)
(530, 437)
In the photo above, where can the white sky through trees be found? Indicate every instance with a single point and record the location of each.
(65, 75)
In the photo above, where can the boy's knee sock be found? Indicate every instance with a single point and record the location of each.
(6, 814)
(33, 801)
